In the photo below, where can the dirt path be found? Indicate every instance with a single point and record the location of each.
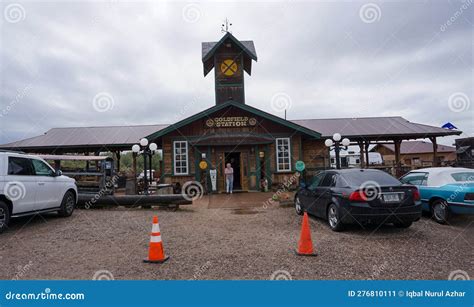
(235, 242)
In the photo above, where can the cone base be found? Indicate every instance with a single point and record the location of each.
(309, 255)
(156, 261)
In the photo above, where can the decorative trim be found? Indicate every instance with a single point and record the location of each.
(238, 105)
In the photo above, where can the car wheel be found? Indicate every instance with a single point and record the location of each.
(68, 204)
(440, 211)
(402, 224)
(4, 216)
(298, 206)
(334, 218)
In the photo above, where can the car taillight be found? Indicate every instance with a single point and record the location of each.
(358, 196)
(416, 194)
(469, 196)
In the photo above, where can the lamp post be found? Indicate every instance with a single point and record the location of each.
(336, 142)
(148, 150)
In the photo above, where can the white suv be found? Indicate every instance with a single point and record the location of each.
(29, 185)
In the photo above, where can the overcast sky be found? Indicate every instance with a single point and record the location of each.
(123, 63)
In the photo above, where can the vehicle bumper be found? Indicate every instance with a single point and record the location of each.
(363, 213)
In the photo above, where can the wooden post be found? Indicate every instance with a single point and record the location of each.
(361, 153)
(97, 153)
(117, 155)
(87, 162)
(134, 169)
(134, 164)
(398, 170)
(367, 162)
(57, 165)
(435, 151)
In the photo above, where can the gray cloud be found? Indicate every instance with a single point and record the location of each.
(146, 55)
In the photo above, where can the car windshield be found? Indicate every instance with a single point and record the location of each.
(361, 177)
(463, 176)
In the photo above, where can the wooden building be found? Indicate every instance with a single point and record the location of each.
(417, 154)
(259, 145)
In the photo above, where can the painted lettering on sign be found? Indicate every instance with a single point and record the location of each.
(231, 121)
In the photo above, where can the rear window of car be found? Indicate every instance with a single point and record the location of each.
(415, 178)
(360, 177)
(463, 176)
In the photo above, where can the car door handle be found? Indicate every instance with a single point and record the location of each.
(40, 183)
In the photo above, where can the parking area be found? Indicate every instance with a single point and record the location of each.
(228, 237)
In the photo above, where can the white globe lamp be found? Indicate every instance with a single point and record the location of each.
(153, 146)
(136, 148)
(144, 142)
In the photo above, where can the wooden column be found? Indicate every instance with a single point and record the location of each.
(361, 153)
(57, 165)
(134, 170)
(97, 153)
(117, 156)
(87, 162)
(134, 164)
(367, 162)
(398, 170)
(435, 151)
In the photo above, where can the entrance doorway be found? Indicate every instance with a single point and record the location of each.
(234, 159)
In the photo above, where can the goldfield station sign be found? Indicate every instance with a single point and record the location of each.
(231, 121)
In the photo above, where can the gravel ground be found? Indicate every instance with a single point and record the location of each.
(228, 239)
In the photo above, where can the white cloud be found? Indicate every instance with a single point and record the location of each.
(148, 57)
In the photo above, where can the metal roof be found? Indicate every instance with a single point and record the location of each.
(87, 137)
(249, 45)
(374, 128)
(123, 137)
(415, 147)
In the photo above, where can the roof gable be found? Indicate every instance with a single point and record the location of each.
(244, 107)
(210, 48)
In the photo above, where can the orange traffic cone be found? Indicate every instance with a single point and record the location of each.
(156, 254)
(305, 245)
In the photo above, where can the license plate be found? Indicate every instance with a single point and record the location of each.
(391, 197)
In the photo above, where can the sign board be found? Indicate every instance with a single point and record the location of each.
(213, 175)
(203, 165)
(231, 121)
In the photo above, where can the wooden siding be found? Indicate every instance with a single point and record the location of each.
(253, 170)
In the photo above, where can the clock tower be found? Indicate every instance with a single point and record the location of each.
(230, 58)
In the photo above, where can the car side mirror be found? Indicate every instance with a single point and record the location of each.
(57, 173)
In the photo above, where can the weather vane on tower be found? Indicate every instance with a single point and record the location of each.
(225, 28)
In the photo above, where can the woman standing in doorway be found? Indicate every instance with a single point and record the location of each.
(229, 178)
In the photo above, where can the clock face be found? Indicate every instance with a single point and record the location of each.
(229, 67)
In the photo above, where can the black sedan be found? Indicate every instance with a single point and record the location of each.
(359, 196)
